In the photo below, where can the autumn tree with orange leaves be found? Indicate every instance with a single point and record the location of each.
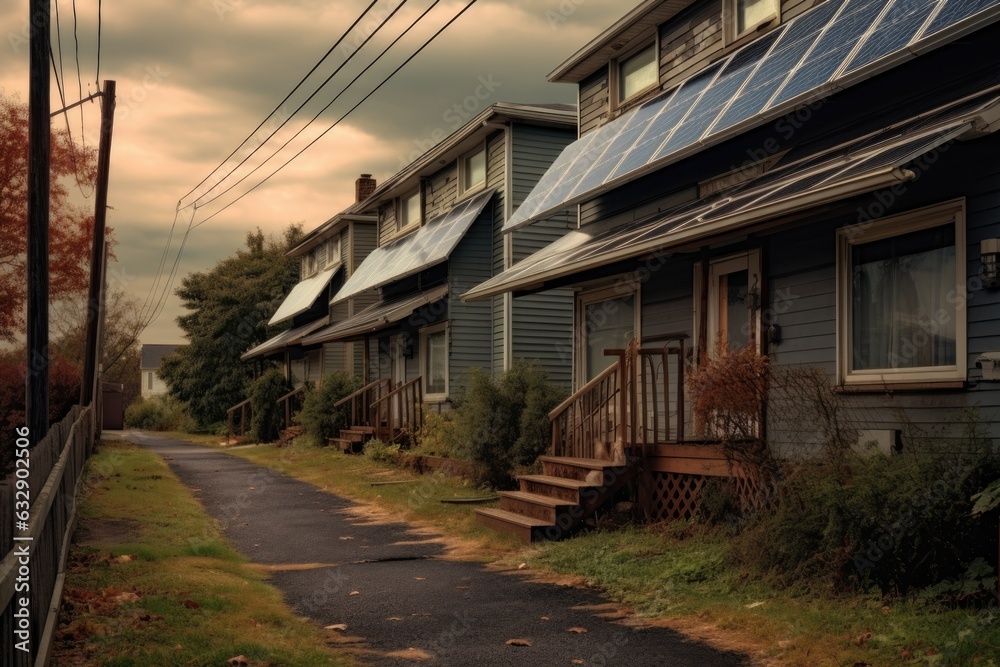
(71, 224)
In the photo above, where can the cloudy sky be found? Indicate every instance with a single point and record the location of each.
(195, 77)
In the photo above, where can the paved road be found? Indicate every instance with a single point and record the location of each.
(391, 588)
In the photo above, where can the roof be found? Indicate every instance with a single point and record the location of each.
(639, 22)
(429, 245)
(283, 340)
(377, 316)
(152, 354)
(865, 164)
(463, 140)
(834, 45)
(303, 295)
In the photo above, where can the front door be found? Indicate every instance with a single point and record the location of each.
(733, 303)
(397, 374)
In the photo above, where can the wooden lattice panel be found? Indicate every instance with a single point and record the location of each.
(674, 495)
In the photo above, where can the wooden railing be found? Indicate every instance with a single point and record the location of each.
(626, 409)
(362, 400)
(291, 404)
(587, 423)
(52, 471)
(401, 411)
(244, 407)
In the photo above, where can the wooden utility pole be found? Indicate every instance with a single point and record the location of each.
(92, 357)
(37, 376)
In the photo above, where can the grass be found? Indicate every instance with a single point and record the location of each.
(155, 583)
(677, 574)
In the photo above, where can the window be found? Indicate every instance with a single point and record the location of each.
(434, 361)
(606, 319)
(309, 264)
(333, 251)
(900, 316)
(473, 171)
(733, 301)
(149, 380)
(750, 14)
(637, 73)
(409, 210)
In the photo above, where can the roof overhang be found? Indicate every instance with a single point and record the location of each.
(327, 230)
(377, 317)
(282, 341)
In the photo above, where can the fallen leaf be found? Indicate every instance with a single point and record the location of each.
(253, 488)
(394, 618)
(863, 638)
(178, 647)
(124, 558)
(125, 598)
(347, 537)
(577, 631)
(238, 661)
(907, 654)
(191, 604)
(518, 642)
(522, 566)
(463, 588)
(886, 610)
(419, 578)
(355, 592)
(754, 605)
(545, 618)
(577, 661)
(341, 627)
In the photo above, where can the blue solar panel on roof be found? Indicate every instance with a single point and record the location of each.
(829, 51)
(782, 67)
(661, 126)
(894, 31)
(954, 11)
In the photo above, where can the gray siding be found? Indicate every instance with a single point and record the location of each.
(496, 177)
(542, 330)
(470, 334)
(386, 222)
(441, 192)
(595, 101)
(364, 237)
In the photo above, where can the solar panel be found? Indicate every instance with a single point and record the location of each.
(806, 56)
(954, 11)
(427, 246)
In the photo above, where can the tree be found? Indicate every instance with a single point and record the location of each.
(229, 307)
(71, 225)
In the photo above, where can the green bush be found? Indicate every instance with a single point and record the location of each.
(504, 423)
(319, 416)
(267, 415)
(158, 413)
(439, 436)
(896, 524)
(379, 451)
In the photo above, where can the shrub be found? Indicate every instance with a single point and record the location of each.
(504, 423)
(319, 416)
(158, 413)
(267, 415)
(896, 524)
(439, 436)
(379, 451)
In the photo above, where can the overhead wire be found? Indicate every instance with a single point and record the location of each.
(150, 295)
(57, 74)
(352, 109)
(282, 102)
(79, 75)
(300, 107)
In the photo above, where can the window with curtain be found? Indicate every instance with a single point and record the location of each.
(751, 13)
(637, 73)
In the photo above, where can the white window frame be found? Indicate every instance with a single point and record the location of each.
(425, 333)
(733, 34)
(333, 251)
(618, 290)
(896, 225)
(463, 177)
(309, 264)
(402, 223)
(616, 82)
(717, 267)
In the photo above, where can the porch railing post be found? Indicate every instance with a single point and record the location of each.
(680, 391)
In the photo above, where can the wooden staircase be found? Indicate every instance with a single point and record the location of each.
(551, 505)
(380, 410)
(352, 440)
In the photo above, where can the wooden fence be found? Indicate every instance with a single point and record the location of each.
(56, 463)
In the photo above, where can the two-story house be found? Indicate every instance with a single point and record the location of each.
(817, 180)
(328, 256)
(440, 223)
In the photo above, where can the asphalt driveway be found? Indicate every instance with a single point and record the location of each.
(400, 600)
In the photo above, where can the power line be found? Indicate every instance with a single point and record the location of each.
(79, 76)
(318, 114)
(365, 98)
(159, 271)
(282, 102)
(298, 109)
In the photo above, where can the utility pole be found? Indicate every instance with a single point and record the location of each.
(37, 376)
(98, 256)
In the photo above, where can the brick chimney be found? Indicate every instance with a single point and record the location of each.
(364, 187)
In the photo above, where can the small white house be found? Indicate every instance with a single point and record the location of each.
(152, 355)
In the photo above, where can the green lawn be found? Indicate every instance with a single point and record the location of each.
(154, 583)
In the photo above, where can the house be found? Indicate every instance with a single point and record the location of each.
(440, 224)
(149, 368)
(328, 256)
(815, 180)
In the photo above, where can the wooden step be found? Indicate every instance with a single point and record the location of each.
(592, 470)
(346, 446)
(524, 528)
(555, 487)
(543, 508)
